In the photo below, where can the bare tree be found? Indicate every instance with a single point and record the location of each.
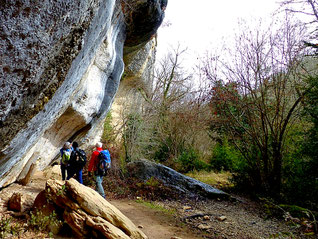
(173, 119)
(307, 7)
(172, 87)
(256, 96)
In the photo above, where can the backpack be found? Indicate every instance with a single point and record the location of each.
(66, 156)
(104, 162)
(81, 156)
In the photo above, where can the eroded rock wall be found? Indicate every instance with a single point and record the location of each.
(60, 68)
(137, 80)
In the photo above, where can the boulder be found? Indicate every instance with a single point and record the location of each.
(86, 212)
(19, 201)
(145, 169)
(15, 202)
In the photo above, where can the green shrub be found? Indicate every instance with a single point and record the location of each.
(296, 211)
(245, 176)
(162, 154)
(221, 160)
(39, 221)
(189, 160)
(300, 174)
(152, 182)
(300, 184)
(201, 165)
(5, 226)
(225, 157)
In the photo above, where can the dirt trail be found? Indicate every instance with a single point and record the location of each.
(155, 224)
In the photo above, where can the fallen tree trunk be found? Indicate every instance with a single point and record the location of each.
(86, 212)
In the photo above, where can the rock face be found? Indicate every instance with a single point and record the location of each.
(138, 71)
(144, 170)
(86, 212)
(60, 67)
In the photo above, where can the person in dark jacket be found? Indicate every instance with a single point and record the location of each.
(77, 163)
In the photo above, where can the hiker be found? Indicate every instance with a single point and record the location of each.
(65, 158)
(77, 163)
(93, 167)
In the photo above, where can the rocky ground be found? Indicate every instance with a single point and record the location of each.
(167, 219)
(222, 219)
(207, 219)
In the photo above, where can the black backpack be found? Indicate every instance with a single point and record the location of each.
(80, 158)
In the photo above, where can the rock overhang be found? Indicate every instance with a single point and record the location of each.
(66, 70)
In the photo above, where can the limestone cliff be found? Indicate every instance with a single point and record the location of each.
(139, 70)
(60, 68)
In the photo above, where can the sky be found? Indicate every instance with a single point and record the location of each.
(202, 24)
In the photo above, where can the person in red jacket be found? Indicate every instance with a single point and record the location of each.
(92, 167)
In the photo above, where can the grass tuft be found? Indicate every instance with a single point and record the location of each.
(219, 180)
(156, 206)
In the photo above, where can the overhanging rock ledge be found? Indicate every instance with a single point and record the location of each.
(60, 67)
